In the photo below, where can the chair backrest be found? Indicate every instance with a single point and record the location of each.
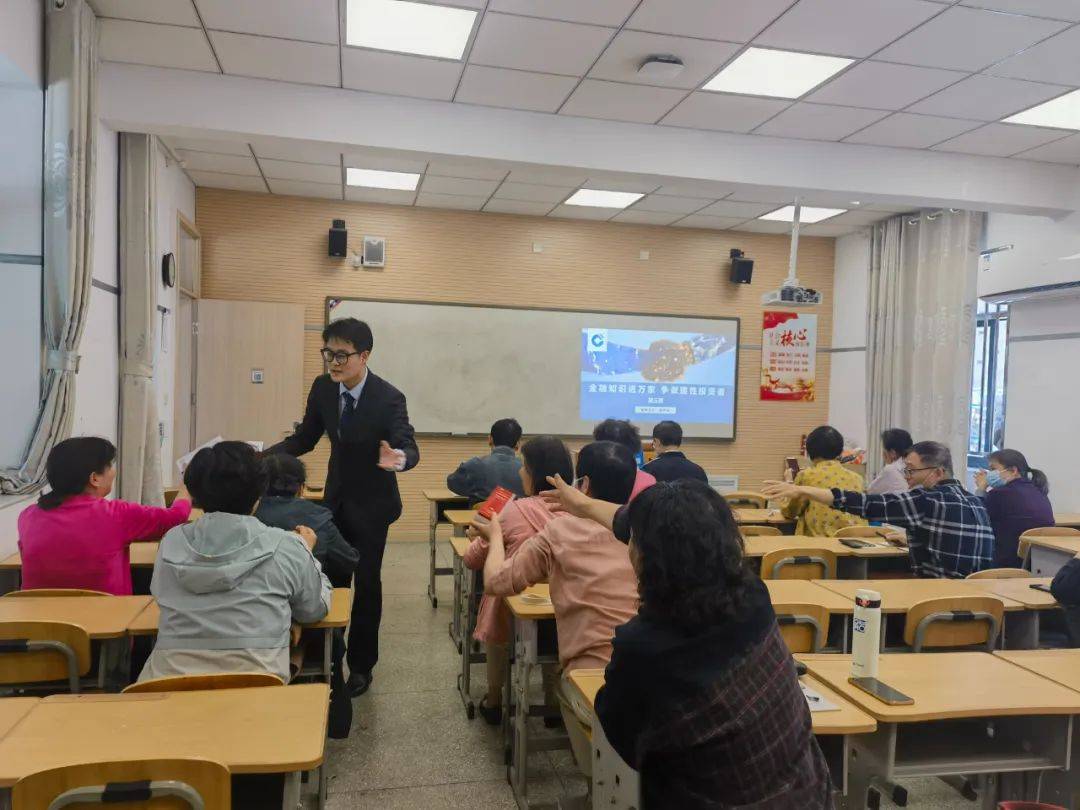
(38, 652)
(864, 531)
(57, 592)
(799, 563)
(202, 683)
(170, 494)
(960, 621)
(754, 500)
(803, 627)
(760, 531)
(1000, 573)
(1043, 531)
(151, 784)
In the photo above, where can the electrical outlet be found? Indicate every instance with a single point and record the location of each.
(257, 376)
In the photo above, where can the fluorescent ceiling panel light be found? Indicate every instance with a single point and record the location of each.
(404, 27)
(782, 74)
(1062, 112)
(807, 216)
(376, 178)
(604, 199)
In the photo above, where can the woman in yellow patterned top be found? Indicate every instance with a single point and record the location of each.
(824, 446)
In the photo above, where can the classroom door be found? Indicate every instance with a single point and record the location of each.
(249, 373)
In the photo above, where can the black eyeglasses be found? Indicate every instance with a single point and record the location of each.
(907, 471)
(337, 358)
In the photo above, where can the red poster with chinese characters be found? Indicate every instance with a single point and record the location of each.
(788, 349)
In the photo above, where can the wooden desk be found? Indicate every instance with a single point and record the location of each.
(1019, 590)
(457, 606)
(439, 500)
(761, 517)
(1068, 519)
(937, 735)
(898, 595)
(141, 555)
(13, 710)
(460, 519)
(1049, 554)
(853, 563)
(802, 591)
(468, 591)
(264, 730)
(312, 493)
(103, 617)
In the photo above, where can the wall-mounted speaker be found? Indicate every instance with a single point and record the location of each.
(742, 269)
(339, 238)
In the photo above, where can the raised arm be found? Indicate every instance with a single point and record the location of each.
(307, 433)
(901, 509)
(565, 498)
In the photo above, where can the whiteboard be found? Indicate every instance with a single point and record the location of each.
(461, 367)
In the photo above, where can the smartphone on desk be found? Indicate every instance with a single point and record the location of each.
(852, 543)
(1039, 586)
(496, 501)
(882, 691)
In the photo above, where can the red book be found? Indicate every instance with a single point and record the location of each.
(499, 497)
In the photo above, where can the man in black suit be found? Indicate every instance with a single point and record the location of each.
(371, 439)
(670, 463)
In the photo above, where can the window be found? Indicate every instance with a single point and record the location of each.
(987, 425)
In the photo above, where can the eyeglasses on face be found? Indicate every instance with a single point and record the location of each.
(908, 471)
(337, 358)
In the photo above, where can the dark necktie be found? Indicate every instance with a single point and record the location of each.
(347, 411)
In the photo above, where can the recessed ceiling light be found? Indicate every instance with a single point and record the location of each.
(855, 202)
(398, 25)
(604, 199)
(808, 215)
(1062, 112)
(783, 74)
(377, 178)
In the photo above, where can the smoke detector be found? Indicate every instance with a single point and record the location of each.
(660, 67)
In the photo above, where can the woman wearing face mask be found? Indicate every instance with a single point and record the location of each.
(1016, 501)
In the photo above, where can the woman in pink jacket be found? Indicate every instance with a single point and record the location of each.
(542, 457)
(74, 537)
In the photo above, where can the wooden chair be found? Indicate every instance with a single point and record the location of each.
(1043, 531)
(962, 621)
(803, 627)
(157, 784)
(752, 500)
(1000, 573)
(170, 494)
(40, 652)
(799, 563)
(206, 682)
(57, 592)
(760, 531)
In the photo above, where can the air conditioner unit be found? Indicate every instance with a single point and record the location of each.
(374, 251)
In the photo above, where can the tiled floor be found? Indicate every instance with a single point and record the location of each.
(411, 744)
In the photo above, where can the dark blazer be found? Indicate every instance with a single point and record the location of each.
(354, 473)
(675, 466)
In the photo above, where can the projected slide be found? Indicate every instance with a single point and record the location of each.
(650, 376)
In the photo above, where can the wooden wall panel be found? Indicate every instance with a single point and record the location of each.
(270, 248)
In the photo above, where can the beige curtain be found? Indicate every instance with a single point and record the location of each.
(70, 125)
(921, 328)
(140, 457)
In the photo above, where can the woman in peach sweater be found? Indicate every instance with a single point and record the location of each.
(542, 457)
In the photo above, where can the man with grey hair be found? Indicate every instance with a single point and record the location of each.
(949, 532)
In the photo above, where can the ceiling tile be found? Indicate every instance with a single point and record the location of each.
(548, 176)
(673, 205)
(722, 112)
(845, 27)
(730, 20)
(777, 196)
(208, 145)
(477, 4)
(913, 131)
(479, 170)
(713, 223)
(640, 217)
(236, 182)
(598, 12)
(765, 226)
(210, 162)
(311, 20)
(379, 195)
(630, 183)
(302, 188)
(1054, 60)
(308, 172)
(499, 206)
(399, 74)
(280, 59)
(1001, 140)
(819, 121)
(623, 57)
(986, 98)
(457, 201)
(884, 86)
(733, 208)
(528, 192)
(829, 228)
(621, 102)
(458, 185)
(501, 87)
(968, 39)
(298, 151)
(544, 46)
(695, 188)
(1067, 150)
(168, 12)
(1058, 9)
(368, 160)
(160, 45)
(583, 212)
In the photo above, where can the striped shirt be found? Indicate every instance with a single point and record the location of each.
(949, 532)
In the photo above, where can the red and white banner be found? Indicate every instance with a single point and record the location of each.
(788, 350)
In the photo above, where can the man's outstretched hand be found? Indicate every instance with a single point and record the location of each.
(389, 458)
(565, 498)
